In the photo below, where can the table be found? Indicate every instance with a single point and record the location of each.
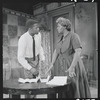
(15, 89)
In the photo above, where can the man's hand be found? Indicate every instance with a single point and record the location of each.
(34, 71)
(34, 63)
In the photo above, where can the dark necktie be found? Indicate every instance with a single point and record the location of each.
(33, 48)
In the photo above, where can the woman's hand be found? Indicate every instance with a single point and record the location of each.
(71, 71)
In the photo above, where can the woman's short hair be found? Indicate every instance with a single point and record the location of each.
(64, 22)
(30, 23)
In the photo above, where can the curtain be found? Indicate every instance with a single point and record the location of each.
(45, 38)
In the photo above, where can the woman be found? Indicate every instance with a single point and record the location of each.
(66, 59)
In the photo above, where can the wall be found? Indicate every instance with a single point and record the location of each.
(13, 28)
(85, 26)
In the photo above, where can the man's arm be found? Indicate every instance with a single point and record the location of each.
(21, 53)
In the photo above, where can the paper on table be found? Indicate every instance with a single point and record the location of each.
(45, 80)
(21, 80)
(58, 80)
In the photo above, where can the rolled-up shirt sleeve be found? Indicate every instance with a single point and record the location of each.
(21, 53)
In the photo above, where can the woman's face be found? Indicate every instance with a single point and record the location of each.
(60, 28)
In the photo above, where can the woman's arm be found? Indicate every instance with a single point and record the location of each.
(76, 44)
(53, 60)
(71, 69)
(54, 57)
(76, 57)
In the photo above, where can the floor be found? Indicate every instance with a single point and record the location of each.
(94, 94)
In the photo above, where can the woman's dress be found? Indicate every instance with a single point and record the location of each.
(65, 50)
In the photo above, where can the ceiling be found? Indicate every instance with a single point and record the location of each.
(25, 6)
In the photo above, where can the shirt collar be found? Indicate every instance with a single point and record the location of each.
(66, 35)
(34, 35)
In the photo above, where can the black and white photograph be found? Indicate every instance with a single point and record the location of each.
(50, 49)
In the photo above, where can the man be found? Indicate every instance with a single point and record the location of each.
(29, 55)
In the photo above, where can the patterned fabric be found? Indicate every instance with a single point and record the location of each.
(45, 39)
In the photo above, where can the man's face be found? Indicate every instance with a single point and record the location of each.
(35, 29)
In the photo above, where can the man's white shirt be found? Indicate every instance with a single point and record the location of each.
(25, 48)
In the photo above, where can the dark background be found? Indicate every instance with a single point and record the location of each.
(25, 6)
